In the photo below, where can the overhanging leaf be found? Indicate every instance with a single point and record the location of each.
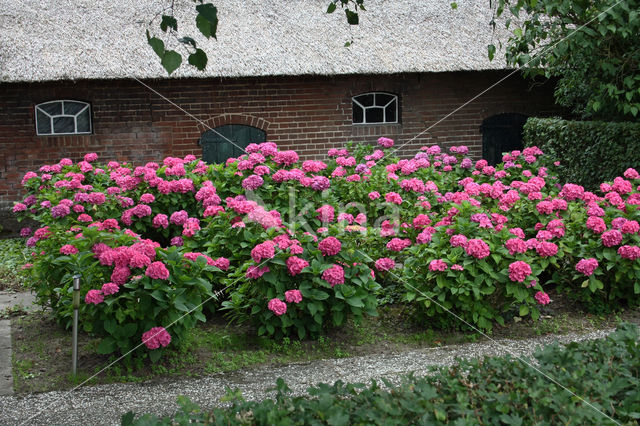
(207, 19)
(168, 22)
(171, 61)
(156, 44)
(352, 17)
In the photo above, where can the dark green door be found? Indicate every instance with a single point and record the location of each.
(229, 141)
(501, 133)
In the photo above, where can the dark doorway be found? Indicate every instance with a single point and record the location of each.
(501, 133)
(229, 141)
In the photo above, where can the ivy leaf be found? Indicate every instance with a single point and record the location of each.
(207, 19)
(491, 49)
(454, 5)
(198, 59)
(168, 22)
(352, 17)
(331, 8)
(171, 60)
(156, 44)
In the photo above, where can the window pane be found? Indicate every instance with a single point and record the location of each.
(382, 99)
(83, 122)
(63, 125)
(358, 114)
(374, 115)
(72, 108)
(44, 123)
(390, 113)
(52, 108)
(365, 100)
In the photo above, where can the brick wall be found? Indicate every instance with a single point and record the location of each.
(309, 114)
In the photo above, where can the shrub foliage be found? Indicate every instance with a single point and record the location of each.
(590, 152)
(604, 374)
(297, 247)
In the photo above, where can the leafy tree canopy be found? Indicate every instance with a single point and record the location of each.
(591, 46)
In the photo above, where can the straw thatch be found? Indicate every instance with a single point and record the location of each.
(45, 40)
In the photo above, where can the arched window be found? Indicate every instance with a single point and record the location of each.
(63, 118)
(375, 108)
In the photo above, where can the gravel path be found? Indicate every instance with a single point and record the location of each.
(104, 404)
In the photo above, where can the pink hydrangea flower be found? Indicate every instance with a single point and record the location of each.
(110, 288)
(68, 249)
(374, 195)
(334, 275)
(320, 183)
(265, 250)
(120, 274)
(160, 220)
(277, 306)
(177, 241)
(385, 264)
(515, 245)
(326, 213)
(587, 266)
(156, 337)
(437, 265)
(545, 207)
(179, 217)
(596, 224)
(139, 260)
(94, 296)
(542, 298)
(393, 197)
(330, 246)
(147, 198)
(252, 182)
(398, 244)
(221, 263)
(458, 240)
(630, 227)
(631, 174)
(295, 265)
(286, 158)
(293, 296)
(611, 238)
(629, 252)
(157, 271)
(519, 271)
(546, 249)
(385, 142)
(253, 272)
(456, 267)
(477, 248)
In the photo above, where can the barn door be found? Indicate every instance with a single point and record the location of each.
(501, 133)
(229, 141)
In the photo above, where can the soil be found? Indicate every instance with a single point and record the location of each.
(42, 349)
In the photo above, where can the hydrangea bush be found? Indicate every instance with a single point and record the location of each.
(296, 247)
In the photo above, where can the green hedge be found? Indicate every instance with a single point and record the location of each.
(497, 390)
(590, 152)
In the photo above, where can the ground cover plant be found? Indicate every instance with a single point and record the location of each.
(296, 248)
(13, 255)
(604, 374)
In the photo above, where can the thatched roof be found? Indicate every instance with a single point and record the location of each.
(44, 40)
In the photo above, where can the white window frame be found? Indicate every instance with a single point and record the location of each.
(87, 107)
(383, 108)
